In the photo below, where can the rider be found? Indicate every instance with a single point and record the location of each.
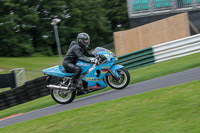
(75, 53)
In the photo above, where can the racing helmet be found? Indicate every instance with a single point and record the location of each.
(83, 39)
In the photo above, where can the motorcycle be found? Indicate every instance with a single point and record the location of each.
(93, 77)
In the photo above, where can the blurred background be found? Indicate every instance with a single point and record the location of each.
(26, 30)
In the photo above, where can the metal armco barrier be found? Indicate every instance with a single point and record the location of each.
(137, 59)
(161, 52)
(29, 91)
(177, 48)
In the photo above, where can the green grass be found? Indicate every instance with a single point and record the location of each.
(173, 109)
(138, 75)
(29, 63)
(33, 65)
(165, 68)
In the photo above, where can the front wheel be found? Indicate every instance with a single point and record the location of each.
(122, 82)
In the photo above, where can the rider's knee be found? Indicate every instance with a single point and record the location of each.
(79, 69)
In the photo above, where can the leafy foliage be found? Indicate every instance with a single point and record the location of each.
(117, 14)
(25, 26)
(89, 16)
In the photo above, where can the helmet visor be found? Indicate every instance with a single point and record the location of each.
(86, 41)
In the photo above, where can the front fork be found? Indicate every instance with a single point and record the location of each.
(114, 74)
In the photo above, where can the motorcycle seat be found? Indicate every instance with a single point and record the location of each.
(65, 71)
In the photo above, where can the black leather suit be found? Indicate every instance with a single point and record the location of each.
(75, 53)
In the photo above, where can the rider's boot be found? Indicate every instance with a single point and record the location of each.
(79, 83)
(72, 82)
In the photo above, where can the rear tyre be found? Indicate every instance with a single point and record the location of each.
(62, 96)
(124, 79)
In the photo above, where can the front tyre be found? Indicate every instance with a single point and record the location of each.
(63, 96)
(122, 82)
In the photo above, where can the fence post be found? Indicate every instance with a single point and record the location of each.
(15, 77)
(17, 72)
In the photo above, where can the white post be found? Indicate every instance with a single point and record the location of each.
(18, 72)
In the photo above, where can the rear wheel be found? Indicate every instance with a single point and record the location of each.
(63, 96)
(122, 82)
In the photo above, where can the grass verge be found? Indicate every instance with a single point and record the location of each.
(138, 75)
(165, 68)
(33, 65)
(172, 109)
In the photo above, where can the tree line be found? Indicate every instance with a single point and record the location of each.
(25, 25)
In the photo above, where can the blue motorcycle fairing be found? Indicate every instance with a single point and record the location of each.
(57, 70)
(85, 66)
(93, 80)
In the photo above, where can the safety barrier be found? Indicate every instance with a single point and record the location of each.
(161, 52)
(8, 80)
(137, 59)
(29, 91)
(176, 48)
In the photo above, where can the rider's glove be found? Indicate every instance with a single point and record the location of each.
(94, 61)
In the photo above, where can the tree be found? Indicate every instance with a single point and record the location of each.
(117, 14)
(89, 16)
(15, 20)
(42, 33)
(25, 26)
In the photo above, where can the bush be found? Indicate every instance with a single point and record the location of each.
(16, 49)
(44, 51)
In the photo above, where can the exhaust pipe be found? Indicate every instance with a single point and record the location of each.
(57, 87)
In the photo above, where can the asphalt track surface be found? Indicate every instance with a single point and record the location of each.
(169, 80)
